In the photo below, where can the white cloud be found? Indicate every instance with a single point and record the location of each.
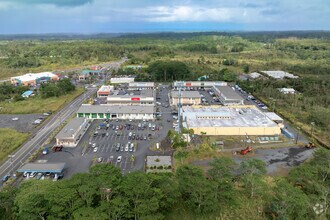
(200, 14)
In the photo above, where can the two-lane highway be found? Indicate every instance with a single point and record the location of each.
(41, 136)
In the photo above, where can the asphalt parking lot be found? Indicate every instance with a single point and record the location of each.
(80, 158)
(119, 134)
(23, 124)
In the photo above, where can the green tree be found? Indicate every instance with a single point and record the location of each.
(196, 191)
(252, 172)
(288, 202)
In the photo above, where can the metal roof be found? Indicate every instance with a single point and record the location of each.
(186, 94)
(228, 93)
(215, 116)
(42, 167)
(117, 109)
(71, 128)
(273, 116)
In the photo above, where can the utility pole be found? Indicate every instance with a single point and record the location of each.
(313, 124)
(11, 163)
(179, 108)
(298, 129)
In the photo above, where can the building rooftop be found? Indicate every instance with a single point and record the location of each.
(279, 74)
(33, 76)
(27, 93)
(159, 161)
(127, 109)
(186, 94)
(87, 71)
(70, 128)
(273, 116)
(141, 84)
(217, 116)
(228, 93)
(42, 167)
(254, 75)
(105, 88)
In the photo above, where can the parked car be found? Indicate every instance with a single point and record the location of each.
(95, 149)
(45, 151)
(5, 178)
(119, 159)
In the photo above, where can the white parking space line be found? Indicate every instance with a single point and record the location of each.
(103, 148)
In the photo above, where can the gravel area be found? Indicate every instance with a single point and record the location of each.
(278, 161)
(23, 124)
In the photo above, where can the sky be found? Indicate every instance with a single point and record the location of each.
(113, 16)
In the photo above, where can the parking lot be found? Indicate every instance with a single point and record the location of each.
(129, 139)
(21, 123)
(80, 158)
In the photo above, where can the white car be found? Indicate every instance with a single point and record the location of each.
(119, 159)
(15, 119)
(126, 148)
(93, 145)
(95, 149)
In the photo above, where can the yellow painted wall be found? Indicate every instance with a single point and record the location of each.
(238, 130)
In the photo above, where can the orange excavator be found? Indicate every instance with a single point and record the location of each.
(246, 150)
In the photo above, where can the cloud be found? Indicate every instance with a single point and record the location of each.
(60, 3)
(36, 16)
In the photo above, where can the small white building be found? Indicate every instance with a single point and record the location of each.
(287, 90)
(279, 74)
(121, 80)
(141, 85)
(104, 91)
(72, 133)
(254, 75)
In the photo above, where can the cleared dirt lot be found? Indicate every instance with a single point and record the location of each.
(278, 161)
(23, 124)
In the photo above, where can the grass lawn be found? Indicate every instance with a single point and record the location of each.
(37, 104)
(10, 140)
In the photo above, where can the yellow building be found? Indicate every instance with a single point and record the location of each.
(187, 98)
(233, 120)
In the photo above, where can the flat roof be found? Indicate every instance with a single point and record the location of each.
(279, 74)
(105, 88)
(159, 161)
(229, 93)
(217, 116)
(33, 76)
(273, 116)
(141, 84)
(186, 94)
(117, 109)
(70, 128)
(42, 167)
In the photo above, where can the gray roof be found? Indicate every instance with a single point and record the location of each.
(42, 167)
(70, 128)
(186, 94)
(159, 161)
(117, 109)
(226, 117)
(229, 93)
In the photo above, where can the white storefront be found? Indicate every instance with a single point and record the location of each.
(113, 112)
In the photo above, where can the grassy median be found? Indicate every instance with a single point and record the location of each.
(10, 140)
(37, 104)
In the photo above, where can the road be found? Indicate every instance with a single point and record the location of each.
(37, 140)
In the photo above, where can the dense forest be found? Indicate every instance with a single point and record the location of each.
(226, 191)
